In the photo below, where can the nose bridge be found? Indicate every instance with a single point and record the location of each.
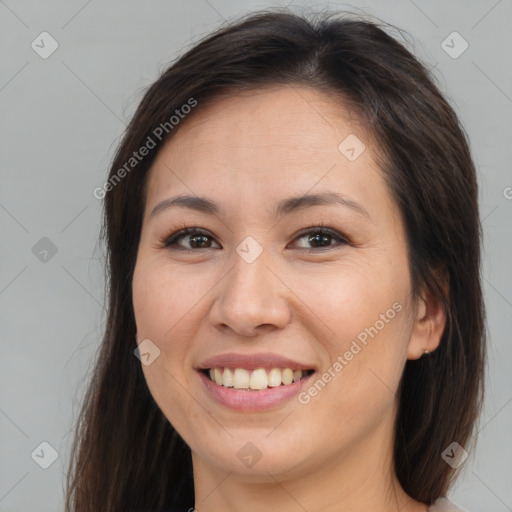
(250, 272)
(251, 294)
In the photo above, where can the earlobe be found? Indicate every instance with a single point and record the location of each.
(428, 326)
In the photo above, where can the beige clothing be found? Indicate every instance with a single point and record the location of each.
(444, 505)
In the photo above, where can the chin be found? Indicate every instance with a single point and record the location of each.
(255, 455)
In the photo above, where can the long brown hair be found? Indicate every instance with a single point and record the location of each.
(126, 456)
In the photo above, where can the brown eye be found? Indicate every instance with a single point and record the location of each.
(197, 238)
(321, 238)
(317, 239)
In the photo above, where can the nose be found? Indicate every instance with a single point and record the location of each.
(251, 299)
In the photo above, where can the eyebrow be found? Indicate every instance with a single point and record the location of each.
(284, 207)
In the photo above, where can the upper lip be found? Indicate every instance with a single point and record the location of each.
(252, 362)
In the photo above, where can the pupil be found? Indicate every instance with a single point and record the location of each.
(203, 238)
(315, 238)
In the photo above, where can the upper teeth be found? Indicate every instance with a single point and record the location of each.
(240, 378)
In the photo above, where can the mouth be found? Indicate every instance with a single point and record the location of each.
(255, 380)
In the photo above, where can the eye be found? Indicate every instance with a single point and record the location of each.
(197, 238)
(321, 238)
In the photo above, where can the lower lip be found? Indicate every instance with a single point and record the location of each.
(252, 400)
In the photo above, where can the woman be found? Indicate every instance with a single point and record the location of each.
(295, 311)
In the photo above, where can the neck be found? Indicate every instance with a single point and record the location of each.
(358, 479)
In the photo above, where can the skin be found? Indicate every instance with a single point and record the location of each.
(247, 152)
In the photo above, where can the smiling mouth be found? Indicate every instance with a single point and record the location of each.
(255, 380)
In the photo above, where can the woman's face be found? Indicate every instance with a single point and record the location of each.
(252, 287)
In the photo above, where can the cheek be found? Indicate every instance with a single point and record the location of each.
(356, 390)
(159, 303)
(363, 309)
(162, 299)
(349, 296)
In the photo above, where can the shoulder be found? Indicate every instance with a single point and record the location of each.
(445, 505)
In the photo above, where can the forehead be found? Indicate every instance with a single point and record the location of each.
(271, 118)
(267, 143)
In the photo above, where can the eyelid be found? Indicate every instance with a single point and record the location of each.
(170, 241)
(324, 230)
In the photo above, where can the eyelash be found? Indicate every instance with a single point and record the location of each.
(170, 241)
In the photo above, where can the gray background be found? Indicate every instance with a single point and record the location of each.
(61, 119)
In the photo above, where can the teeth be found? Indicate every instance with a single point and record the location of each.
(258, 379)
(287, 376)
(227, 378)
(274, 377)
(218, 376)
(240, 378)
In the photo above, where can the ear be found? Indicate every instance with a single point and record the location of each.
(429, 324)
